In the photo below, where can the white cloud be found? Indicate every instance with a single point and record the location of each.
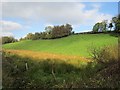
(74, 13)
(8, 26)
(51, 13)
(6, 34)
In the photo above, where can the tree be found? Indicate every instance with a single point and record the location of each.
(7, 39)
(55, 32)
(61, 31)
(104, 25)
(36, 36)
(48, 31)
(116, 21)
(110, 26)
(43, 35)
(100, 26)
(68, 28)
(21, 39)
(96, 27)
(51, 32)
(30, 36)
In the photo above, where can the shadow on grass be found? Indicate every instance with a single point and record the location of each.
(21, 72)
(114, 34)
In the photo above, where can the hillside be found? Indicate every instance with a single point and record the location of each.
(72, 45)
(61, 63)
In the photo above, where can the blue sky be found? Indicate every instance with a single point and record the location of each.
(18, 19)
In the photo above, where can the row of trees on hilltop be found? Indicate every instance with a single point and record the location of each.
(104, 26)
(51, 32)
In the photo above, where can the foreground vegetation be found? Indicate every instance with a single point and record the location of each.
(77, 45)
(27, 72)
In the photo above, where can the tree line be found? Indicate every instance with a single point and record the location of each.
(59, 31)
(51, 32)
(7, 39)
(104, 26)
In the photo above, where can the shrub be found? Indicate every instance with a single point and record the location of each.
(105, 55)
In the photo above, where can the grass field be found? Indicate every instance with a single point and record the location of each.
(60, 72)
(77, 45)
(61, 63)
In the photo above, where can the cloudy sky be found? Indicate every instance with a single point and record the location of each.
(20, 18)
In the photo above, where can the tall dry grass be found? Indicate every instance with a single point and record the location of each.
(106, 54)
(74, 60)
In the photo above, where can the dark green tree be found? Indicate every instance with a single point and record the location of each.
(8, 39)
(110, 26)
(96, 27)
(116, 21)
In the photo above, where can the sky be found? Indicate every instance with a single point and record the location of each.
(20, 18)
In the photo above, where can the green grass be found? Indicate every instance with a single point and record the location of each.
(66, 75)
(39, 73)
(71, 45)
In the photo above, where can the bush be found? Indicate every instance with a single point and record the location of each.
(105, 55)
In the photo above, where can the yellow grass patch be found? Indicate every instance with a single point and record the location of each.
(44, 55)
